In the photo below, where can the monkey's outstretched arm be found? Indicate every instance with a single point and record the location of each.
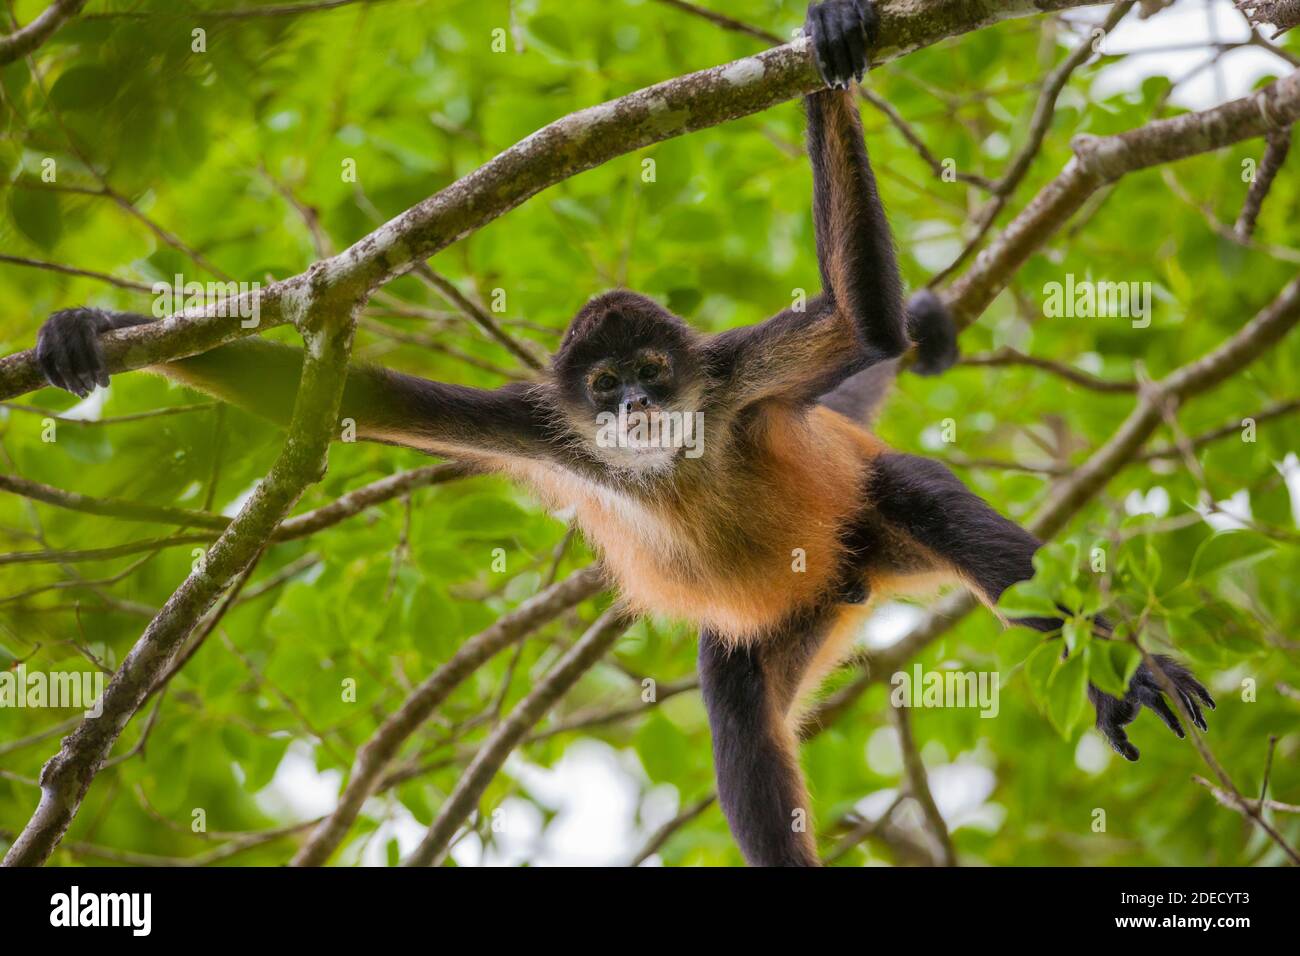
(263, 378)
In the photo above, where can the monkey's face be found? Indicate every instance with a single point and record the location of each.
(639, 381)
(628, 378)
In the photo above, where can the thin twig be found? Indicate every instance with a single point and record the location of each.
(918, 787)
(74, 271)
(23, 41)
(378, 752)
(665, 832)
(1227, 799)
(580, 658)
(1279, 144)
(1008, 356)
(1039, 123)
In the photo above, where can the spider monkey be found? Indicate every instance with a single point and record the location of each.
(788, 467)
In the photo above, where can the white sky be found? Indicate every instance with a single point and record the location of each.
(1187, 22)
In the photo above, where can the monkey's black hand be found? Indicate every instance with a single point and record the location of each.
(842, 33)
(68, 350)
(1144, 690)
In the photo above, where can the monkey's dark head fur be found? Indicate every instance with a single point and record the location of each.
(624, 345)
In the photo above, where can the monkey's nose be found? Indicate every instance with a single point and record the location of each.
(636, 402)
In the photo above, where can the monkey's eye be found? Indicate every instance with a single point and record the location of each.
(605, 383)
(648, 373)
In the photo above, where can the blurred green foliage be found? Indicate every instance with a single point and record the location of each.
(210, 145)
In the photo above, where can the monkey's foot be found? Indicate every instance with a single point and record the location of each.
(842, 34)
(68, 350)
(1144, 690)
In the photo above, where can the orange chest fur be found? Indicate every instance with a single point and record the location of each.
(754, 538)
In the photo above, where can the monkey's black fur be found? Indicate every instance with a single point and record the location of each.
(923, 497)
(755, 774)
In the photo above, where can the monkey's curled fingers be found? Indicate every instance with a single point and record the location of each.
(68, 350)
(1145, 690)
(842, 34)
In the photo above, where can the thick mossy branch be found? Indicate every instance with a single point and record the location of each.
(68, 775)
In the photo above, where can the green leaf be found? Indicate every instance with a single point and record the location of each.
(1039, 668)
(662, 747)
(265, 754)
(1230, 549)
(1111, 665)
(84, 88)
(1077, 632)
(684, 301)
(486, 516)
(1067, 694)
(36, 214)
(1015, 645)
(552, 31)
(1028, 599)
(1057, 563)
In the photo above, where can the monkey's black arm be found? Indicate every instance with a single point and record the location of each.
(929, 504)
(796, 355)
(855, 251)
(263, 377)
(858, 321)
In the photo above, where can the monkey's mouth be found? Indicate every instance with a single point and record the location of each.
(654, 435)
(644, 431)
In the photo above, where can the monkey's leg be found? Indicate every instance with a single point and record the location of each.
(929, 504)
(748, 691)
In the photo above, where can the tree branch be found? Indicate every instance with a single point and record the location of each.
(110, 507)
(375, 755)
(598, 639)
(238, 13)
(28, 38)
(1039, 123)
(1101, 160)
(1279, 144)
(327, 330)
(130, 284)
(570, 145)
(865, 92)
(1229, 801)
(1009, 356)
(77, 555)
(1252, 811)
(1275, 410)
(665, 832)
(919, 787)
(300, 526)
